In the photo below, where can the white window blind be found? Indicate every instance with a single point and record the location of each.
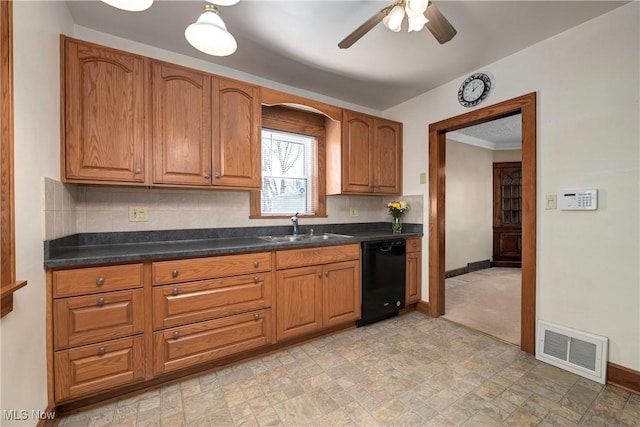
(289, 173)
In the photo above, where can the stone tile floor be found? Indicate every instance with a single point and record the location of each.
(411, 370)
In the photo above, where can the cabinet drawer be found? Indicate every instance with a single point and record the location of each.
(186, 270)
(191, 345)
(313, 256)
(89, 319)
(99, 367)
(414, 244)
(92, 280)
(175, 305)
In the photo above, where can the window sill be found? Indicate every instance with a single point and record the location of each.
(285, 216)
(6, 296)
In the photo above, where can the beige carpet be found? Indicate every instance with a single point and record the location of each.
(486, 300)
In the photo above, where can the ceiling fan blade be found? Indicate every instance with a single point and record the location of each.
(441, 29)
(362, 30)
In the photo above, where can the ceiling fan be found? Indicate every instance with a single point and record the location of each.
(419, 12)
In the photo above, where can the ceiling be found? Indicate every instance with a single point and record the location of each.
(295, 42)
(499, 134)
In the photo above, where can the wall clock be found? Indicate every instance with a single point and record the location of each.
(474, 89)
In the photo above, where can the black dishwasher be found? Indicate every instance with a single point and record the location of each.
(383, 279)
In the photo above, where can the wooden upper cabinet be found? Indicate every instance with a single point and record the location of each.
(181, 125)
(370, 156)
(357, 153)
(236, 134)
(103, 114)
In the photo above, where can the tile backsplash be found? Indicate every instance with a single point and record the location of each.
(71, 209)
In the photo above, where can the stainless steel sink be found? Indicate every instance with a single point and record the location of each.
(300, 237)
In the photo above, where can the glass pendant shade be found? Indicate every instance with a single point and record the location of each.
(393, 20)
(209, 34)
(130, 5)
(416, 7)
(417, 22)
(224, 2)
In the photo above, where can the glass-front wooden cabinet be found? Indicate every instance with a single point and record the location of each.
(507, 214)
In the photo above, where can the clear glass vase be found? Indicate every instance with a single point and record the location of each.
(396, 225)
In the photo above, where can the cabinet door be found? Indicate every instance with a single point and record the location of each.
(298, 302)
(104, 114)
(413, 277)
(341, 293)
(237, 134)
(181, 110)
(387, 167)
(357, 153)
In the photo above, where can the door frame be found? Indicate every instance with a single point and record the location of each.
(526, 106)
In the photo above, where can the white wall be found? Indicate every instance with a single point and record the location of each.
(468, 204)
(37, 26)
(587, 82)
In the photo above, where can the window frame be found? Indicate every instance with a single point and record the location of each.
(300, 122)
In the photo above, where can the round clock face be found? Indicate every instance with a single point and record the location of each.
(474, 89)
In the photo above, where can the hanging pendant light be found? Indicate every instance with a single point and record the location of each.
(130, 5)
(224, 2)
(209, 34)
(393, 20)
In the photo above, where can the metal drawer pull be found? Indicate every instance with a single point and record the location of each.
(100, 281)
(175, 273)
(100, 302)
(101, 351)
(207, 175)
(256, 317)
(256, 264)
(217, 174)
(256, 279)
(174, 292)
(176, 335)
(320, 274)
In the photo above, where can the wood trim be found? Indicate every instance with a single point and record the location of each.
(623, 377)
(423, 307)
(8, 284)
(272, 97)
(525, 105)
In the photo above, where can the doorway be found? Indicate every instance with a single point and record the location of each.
(526, 106)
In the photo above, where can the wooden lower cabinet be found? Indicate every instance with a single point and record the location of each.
(190, 345)
(413, 291)
(319, 296)
(99, 367)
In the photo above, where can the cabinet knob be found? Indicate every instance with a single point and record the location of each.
(326, 273)
(174, 273)
(174, 292)
(101, 351)
(217, 175)
(176, 335)
(320, 274)
(256, 317)
(137, 171)
(256, 264)
(256, 279)
(100, 281)
(100, 302)
(207, 175)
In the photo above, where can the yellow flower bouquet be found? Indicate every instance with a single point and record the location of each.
(397, 209)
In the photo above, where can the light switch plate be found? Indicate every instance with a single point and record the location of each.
(552, 201)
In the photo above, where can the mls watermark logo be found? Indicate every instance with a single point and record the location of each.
(25, 415)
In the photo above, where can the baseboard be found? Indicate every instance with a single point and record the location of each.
(456, 272)
(423, 307)
(48, 418)
(622, 377)
(478, 265)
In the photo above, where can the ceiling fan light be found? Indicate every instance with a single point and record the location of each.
(393, 20)
(209, 34)
(416, 7)
(130, 5)
(417, 22)
(224, 2)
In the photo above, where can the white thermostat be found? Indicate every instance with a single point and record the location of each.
(578, 200)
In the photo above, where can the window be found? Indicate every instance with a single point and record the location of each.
(289, 164)
(293, 178)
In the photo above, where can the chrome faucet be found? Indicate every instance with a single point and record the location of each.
(294, 220)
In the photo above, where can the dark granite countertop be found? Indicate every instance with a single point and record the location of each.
(119, 247)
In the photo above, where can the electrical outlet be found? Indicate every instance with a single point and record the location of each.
(353, 211)
(138, 213)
